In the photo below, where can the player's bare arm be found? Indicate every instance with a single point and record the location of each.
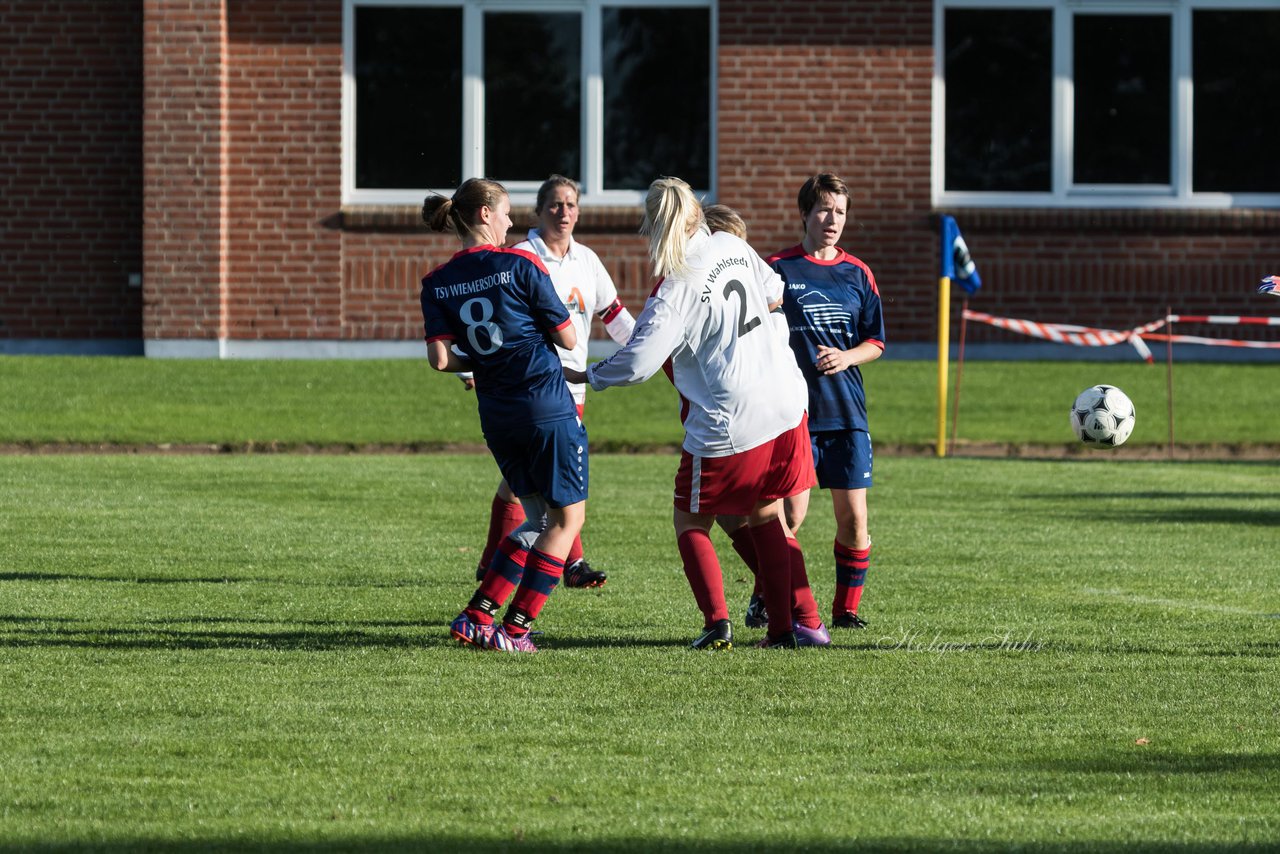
(833, 360)
(444, 358)
(566, 336)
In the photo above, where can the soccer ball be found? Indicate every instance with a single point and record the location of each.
(1103, 415)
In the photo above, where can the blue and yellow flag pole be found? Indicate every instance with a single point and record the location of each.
(957, 264)
(944, 351)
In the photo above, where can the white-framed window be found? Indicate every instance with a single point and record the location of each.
(1106, 103)
(613, 93)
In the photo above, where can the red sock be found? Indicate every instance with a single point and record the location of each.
(746, 549)
(504, 517)
(702, 568)
(542, 573)
(775, 574)
(575, 551)
(505, 571)
(804, 609)
(851, 574)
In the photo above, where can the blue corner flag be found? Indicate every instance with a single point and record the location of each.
(956, 263)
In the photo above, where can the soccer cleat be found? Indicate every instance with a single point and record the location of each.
(580, 574)
(806, 636)
(499, 640)
(848, 620)
(467, 631)
(787, 641)
(718, 637)
(757, 617)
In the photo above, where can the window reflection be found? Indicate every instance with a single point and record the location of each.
(533, 86)
(408, 89)
(998, 68)
(657, 96)
(1122, 99)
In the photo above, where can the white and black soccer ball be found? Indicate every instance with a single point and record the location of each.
(1103, 415)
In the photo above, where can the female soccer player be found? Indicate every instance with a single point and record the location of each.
(586, 289)
(833, 308)
(743, 408)
(724, 218)
(495, 311)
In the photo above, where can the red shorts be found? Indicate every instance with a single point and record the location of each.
(734, 485)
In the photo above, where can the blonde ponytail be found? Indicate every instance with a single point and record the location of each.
(671, 214)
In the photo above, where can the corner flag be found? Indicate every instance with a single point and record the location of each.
(956, 263)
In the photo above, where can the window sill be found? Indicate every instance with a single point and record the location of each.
(591, 220)
(1157, 220)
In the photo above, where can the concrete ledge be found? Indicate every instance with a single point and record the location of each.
(291, 349)
(63, 347)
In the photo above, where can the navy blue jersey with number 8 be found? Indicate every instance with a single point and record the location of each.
(498, 307)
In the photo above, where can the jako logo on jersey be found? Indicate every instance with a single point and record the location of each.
(822, 313)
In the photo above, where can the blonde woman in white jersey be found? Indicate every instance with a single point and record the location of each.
(746, 440)
(587, 290)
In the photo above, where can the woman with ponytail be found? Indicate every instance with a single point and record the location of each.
(495, 312)
(746, 444)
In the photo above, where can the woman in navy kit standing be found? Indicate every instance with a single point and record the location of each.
(495, 312)
(833, 308)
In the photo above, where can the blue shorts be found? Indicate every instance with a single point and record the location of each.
(547, 459)
(842, 458)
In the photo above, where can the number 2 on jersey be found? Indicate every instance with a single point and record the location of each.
(744, 325)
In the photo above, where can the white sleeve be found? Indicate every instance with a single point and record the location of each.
(769, 279)
(659, 332)
(606, 292)
(618, 322)
(621, 325)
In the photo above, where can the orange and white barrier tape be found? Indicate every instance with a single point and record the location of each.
(1086, 336)
(1224, 319)
(1065, 333)
(1215, 342)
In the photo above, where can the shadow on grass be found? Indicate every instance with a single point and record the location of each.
(427, 842)
(1192, 516)
(1150, 760)
(211, 579)
(319, 635)
(1203, 514)
(204, 632)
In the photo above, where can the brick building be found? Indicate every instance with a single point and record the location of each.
(241, 178)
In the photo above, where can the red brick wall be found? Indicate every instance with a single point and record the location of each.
(70, 169)
(217, 125)
(284, 262)
(182, 163)
(834, 86)
(838, 87)
(1120, 269)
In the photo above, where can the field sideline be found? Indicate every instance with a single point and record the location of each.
(1220, 409)
(236, 652)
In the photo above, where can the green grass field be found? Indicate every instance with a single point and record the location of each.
(131, 401)
(250, 651)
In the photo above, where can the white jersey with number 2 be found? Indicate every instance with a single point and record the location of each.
(738, 380)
